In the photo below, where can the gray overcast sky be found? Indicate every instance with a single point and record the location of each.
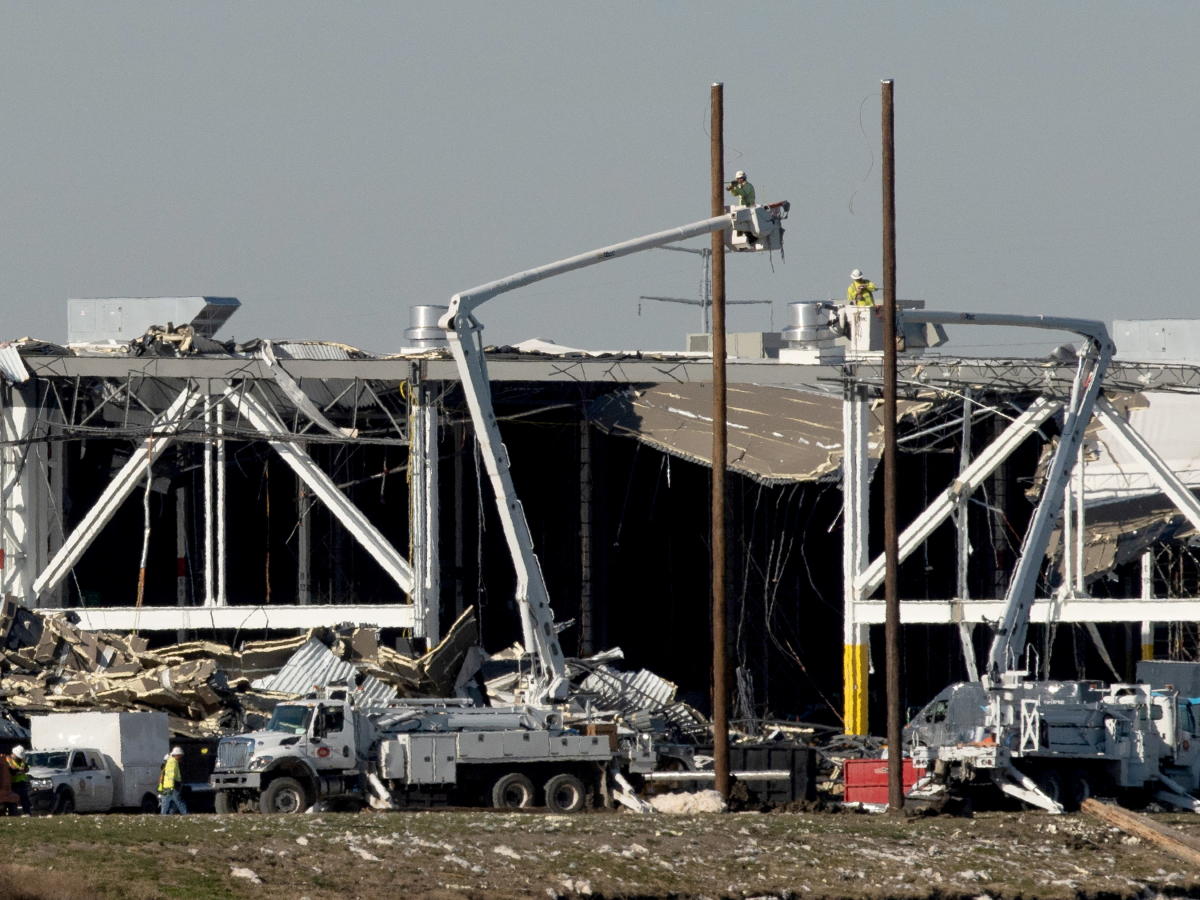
(331, 164)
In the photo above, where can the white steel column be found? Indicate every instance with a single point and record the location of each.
(1147, 595)
(855, 509)
(423, 507)
(222, 548)
(303, 544)
(181, 561)
(210, 594)
(962, 519)
(586, 640)
(26, 479)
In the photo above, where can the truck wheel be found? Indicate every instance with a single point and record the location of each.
(1050, 784)
(1076, 789)
(149, 803)
(512, 791)
(223, 803)
(565, 793)
(283, 795)
(64, 802)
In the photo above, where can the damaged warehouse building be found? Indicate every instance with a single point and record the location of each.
(204, 527)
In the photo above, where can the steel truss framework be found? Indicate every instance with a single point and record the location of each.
(862, 577)
(155, 412)
(213, 401)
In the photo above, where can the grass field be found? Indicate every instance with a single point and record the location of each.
(485, 854)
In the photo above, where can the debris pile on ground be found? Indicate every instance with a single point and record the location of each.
(47, 663)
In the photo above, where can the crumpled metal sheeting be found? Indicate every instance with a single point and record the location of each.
(641, 697)
(628, 691)
(315, 665)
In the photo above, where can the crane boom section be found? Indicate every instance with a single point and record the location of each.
(464, 335)
(1094, 359)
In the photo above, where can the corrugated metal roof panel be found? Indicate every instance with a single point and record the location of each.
(12, 367)
(629, 691)
(317, 350)
(314, 665)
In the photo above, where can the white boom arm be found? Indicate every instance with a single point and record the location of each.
(1093, 363)
(464, 333)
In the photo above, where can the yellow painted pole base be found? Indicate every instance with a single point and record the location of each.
(854, 687)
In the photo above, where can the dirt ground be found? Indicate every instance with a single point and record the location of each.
(487, 854)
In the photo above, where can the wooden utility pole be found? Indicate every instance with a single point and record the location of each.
(891, 543)
(720, 687)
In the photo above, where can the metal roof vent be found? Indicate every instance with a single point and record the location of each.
(127, 318)
(423, 330)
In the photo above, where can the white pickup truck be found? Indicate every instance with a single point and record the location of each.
(96, 762)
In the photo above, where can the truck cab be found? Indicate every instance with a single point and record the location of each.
(309, 749)
(69, 779)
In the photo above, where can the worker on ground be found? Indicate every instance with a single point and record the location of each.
(742, 189)
(170, 784)
(19, 774)
(9, 800)
(861, 291)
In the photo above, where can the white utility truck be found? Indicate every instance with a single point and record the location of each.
(96, 761)
(516, 756)
(1054, 743)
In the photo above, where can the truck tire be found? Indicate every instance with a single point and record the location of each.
(223, 803)
(64, 802)
(1077, 787)
(512, 791)
(283, 795)
(149, 803)
(565, 793)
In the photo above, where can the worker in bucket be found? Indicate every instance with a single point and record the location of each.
(170, 784)
(861, 291)
(18, 770)
(742, 189)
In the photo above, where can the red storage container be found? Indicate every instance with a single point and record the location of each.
(866, 780)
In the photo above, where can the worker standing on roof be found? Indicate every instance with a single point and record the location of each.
(19, 776)
(742, 189)
(170, 784)
(861, 291)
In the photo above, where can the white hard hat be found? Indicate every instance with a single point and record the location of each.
(18, 751)
(177, 751)
(739, 174)
(856, 274)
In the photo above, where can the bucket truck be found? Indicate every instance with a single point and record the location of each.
(331, 748)
(1053, 743)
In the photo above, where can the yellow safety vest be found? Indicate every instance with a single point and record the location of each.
(169, 777)
(861, 293)
(20, 769)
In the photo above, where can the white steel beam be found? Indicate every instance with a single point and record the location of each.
(162, 433)
(1156, 467)
(966, 484)
(264, 419)
(207, 618)
(1058, 609)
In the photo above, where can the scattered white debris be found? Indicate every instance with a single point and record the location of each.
(239, 872)
(365, 854)
(579, 885)
(302, 841)
(504, 850)
(459, 861)
(689, 803)
(193, 851)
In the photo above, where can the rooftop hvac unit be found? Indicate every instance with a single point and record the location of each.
(127, 318)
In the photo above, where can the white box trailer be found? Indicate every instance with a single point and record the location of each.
(132, 744)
